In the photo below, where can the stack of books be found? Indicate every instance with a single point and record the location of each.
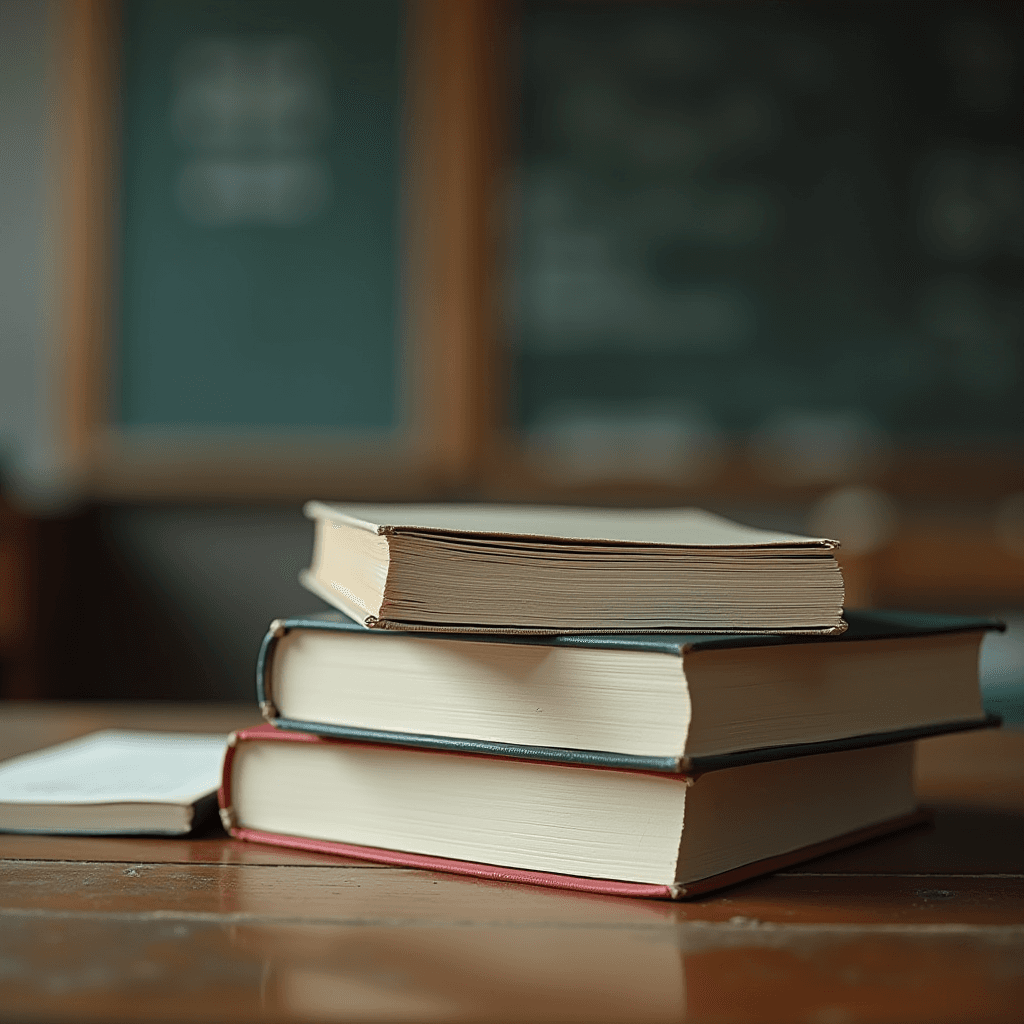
(640, 703)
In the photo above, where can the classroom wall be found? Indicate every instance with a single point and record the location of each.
(29, 458)
(170, 598)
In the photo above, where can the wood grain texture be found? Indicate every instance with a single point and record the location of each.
(346, 894)
(85, 141)
(456, 67)
(959, 841)
(924, 926)
(235, 467)
(19, 577)
(209, 845)
(136, 968)
(973, 771)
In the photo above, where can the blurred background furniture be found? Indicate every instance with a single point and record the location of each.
(764, 258)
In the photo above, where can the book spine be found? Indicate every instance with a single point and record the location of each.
(224, 800)
(225, 807)
(264, 696)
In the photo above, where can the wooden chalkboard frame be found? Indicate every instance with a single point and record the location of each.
(446, 392)
(945, 551)
(984, 470)
(458, 440)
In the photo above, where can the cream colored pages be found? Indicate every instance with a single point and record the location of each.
(116, 766)
(681, 527)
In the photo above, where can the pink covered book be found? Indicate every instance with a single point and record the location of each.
(622, 833)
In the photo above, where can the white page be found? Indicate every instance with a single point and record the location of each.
(116, 766)
(674, 526)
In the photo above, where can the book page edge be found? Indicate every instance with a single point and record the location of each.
(357, 615)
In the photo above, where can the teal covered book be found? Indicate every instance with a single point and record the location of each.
(684, 704)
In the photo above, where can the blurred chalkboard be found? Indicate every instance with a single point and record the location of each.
(742, 218)
(260, 207)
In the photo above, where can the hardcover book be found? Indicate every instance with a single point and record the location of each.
(660, 703)
(594, 829)
(502, 568)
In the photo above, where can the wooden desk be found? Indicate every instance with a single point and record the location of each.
(923, 926)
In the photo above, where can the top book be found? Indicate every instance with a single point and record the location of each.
(529, 569)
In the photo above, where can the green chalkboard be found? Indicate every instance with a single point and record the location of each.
(260, 201)
(741, 216)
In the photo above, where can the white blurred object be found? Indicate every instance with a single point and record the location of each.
(287, 191)
(238, 94)
(863, 519)
(255, 115)
(1002, 654)
(113, 782)
(584, 442)
(1002, 670)
(1009, 522)
(579, 294)
(804, 447)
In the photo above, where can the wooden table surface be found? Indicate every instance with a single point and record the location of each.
(927, 925)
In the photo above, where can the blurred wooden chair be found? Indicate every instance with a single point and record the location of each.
(18, 677)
